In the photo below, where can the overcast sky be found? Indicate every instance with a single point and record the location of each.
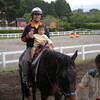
(86, 5)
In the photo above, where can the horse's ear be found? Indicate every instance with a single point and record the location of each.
(74, 56)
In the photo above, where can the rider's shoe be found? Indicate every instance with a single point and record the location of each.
(28, 84)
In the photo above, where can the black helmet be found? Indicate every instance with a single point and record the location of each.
(36, 10)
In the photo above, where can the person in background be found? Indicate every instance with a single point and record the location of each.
(91, 80)
(27, 37)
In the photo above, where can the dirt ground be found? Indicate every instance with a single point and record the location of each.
(10, 82)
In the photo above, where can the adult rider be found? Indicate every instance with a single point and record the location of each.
(29, 30)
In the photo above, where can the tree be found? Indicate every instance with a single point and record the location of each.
(52, 9)
(1, 4)
(62, 8)
(94, 11)
(78, 11)
(11, 8)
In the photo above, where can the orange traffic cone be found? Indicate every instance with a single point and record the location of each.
(72, 35)
(77, 35)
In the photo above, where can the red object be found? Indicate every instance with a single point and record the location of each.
(21, 24)
(97, 98)
(72, 35)
(77, 35)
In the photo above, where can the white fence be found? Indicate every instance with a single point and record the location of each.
(82, 52)
(11, 28)
(17, 35)
(13, 35)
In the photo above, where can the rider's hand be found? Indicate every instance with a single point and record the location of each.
(42, 43)
(31, 33)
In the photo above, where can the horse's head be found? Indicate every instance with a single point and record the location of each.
(66, 75)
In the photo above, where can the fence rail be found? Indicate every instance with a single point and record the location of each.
(83, 52)
(17, 35)
(13, 35)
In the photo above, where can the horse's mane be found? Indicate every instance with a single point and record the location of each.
(52, 56)
(50, 59)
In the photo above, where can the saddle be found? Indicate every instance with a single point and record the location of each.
(38, 50)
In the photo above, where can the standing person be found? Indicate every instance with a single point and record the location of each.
(91, 80)
(40, 37)
(27, 34)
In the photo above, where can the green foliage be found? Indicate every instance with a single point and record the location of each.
(92, 25)
(64, 8)
(59, 11)
(11, 8)
(47, 19)
(27, 16)
(78, 18)
(94, 11)
(10, 31)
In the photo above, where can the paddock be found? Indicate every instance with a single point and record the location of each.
(9, 45)
(10, 82)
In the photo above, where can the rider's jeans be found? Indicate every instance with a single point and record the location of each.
(25, 64)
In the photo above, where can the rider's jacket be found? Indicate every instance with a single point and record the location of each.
(25, 36)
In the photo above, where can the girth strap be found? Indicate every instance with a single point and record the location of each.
(35, 64)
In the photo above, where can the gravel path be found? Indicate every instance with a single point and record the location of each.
(59, 41)
(17, 44)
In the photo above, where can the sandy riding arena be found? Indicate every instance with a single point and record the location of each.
(10, 81)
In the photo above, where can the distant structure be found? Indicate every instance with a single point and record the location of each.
(3, 21)
(18, 22)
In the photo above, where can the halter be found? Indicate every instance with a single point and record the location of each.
(64, 92)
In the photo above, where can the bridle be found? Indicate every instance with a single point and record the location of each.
(64, 92)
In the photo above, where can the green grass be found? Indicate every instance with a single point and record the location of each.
(86, 60)
(10, 70)
(10, 38)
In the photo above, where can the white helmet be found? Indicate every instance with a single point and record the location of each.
(36, 10)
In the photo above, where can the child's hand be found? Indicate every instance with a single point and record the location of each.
(42, 43)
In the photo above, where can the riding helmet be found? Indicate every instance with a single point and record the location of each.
(37, 10)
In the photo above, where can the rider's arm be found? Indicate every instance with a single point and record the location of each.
(27, 34)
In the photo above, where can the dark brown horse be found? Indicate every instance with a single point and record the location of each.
(54, 74)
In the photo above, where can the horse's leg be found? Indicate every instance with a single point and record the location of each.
(43, 96)
(57, 96)
(34, 92)
(22, 89)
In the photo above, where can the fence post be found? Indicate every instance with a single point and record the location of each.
(3, 61)
(83, 52)
(61, 50)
